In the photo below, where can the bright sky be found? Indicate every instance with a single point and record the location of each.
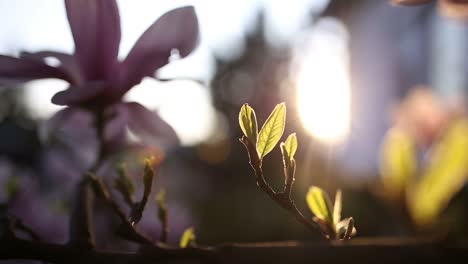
(37, 25)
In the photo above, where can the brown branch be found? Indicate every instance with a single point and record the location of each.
(415, 250)
(16, 248)
(81, 218)
(19, 225)
(283, 199)
(126, 230)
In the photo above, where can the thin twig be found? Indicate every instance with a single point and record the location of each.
(81, 219)
(283, 199)
(127, 230)
(19, 225)
(17, 248)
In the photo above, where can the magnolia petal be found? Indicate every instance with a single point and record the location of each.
(116, 123)
(79, 95)
(95, 26)
(149, 126)
(24, 70)
(176, 29)
(66, 63)
(47, 127)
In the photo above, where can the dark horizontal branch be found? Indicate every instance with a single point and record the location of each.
(358, 250)
(23, 249)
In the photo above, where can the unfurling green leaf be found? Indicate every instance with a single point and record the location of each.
(289, 165)
(320, 204)
(248, 123)
(445, 176)
(272, 130)
(290, 145)
(337, 207)
(188, 238)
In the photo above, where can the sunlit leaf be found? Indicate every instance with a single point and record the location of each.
(337, 207)
(444, 177)
(398, 162)
(291, 145)
(272, 130)
(319, 204)
(289, 167)
(188, 237)
(248, 123)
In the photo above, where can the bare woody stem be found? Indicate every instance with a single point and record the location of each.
(81, 218)
(283, 199)
(127, 230)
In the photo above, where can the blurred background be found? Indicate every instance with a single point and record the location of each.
(342, 67)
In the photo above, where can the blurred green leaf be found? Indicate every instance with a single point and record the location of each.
(290, 145)
(188, 237)
(11, 186)
(248, 123)
(398, 162)
(320, 204)
(272, 130)
(337, 207)
(445, 176)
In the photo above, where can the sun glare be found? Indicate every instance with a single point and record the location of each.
(323, 86)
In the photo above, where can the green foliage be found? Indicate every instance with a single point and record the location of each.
(398, 163)
(290, 145)
(446, 173)
(248, 123)
(319, 204)
(272, 130)
(331, 224)
(327, 218)
(187, 238)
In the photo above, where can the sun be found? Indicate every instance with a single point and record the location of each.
(323, 88)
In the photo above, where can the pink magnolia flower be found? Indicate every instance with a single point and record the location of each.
(97, 78)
